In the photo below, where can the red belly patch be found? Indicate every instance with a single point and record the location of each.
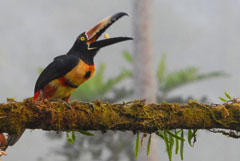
(36, 95)
(48, 91)
(64, 82)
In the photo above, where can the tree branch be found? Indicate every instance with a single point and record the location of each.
(136, 116)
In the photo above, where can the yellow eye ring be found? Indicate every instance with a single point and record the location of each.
(82, 38)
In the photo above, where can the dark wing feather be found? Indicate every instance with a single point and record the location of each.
(57, 69)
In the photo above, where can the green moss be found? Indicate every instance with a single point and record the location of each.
(136, 116)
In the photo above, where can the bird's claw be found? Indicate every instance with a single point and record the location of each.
(67, 104)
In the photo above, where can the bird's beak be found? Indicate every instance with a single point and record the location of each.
(94, 33)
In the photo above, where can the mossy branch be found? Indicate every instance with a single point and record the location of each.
(136, 116)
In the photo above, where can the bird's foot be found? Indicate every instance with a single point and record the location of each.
(67, 104)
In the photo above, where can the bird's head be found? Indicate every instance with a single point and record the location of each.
(87, 46)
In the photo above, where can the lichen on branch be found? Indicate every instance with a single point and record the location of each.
(136, 116)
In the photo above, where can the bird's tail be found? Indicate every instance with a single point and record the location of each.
(12, 139)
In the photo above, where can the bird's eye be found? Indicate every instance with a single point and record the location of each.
(82, 38)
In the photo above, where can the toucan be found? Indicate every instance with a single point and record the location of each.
(66, 72)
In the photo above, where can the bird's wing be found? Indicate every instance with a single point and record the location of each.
(57, 69)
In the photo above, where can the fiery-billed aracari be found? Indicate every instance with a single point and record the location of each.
(62, 76)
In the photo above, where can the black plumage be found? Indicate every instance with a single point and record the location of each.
(60, 66)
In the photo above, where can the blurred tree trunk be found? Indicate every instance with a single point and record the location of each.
(144, 73)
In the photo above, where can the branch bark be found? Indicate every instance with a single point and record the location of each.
(136, 116)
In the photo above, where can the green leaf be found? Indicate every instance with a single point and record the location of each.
(182, 144)
(222, 99)
(177, 143)
(190, 137)
(68, 138)
(73, 136)
(114, 81)
(149, 144)
(137, 145)
(174, 135)
(194, 132)
(67, 135)
(179, 78)
(194, 135)
(161, 69)
(227, 95)
(158, 133)
(177, 132)
(168, 145)
(127, 56)
(171, 143)
(86, 133)
(184, 77)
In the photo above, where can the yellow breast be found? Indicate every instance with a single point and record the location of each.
(80, 73)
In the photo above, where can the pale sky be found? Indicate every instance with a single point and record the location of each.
(204, 34)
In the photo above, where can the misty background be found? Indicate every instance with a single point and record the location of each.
(204, 34)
